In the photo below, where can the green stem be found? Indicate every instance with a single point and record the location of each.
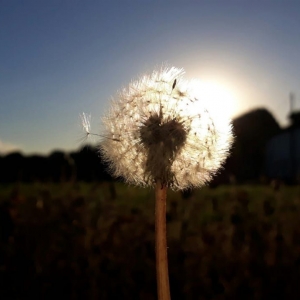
(163, 289)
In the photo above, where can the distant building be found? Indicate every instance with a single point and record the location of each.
(283, 152)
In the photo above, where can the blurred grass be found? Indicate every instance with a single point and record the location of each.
(96, 241)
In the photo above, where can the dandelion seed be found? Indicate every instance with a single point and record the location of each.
(86, 123)
(174, 84)
(86, 126)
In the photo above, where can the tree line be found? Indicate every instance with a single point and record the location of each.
(246, 162)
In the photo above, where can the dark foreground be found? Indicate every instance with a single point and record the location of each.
(96, 241)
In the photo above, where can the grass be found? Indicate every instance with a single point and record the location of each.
(96, 241)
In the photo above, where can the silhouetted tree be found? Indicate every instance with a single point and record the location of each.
(89, 165)
(61, 166)
(246, 162)
(12, 166)
(36, 167)
(252, 131)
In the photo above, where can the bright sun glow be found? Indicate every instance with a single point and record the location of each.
(217, 98)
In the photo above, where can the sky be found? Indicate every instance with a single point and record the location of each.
(61, 58)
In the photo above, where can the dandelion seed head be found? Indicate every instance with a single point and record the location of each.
(158, 129)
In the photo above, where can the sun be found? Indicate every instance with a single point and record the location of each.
(217, 98)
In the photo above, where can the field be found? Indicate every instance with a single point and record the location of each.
(96, 241)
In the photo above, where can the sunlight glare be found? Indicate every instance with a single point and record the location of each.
(217, 98)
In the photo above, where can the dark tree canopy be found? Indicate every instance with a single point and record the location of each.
(246, 162)
(252, 131)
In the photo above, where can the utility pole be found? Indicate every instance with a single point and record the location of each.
(292, 99)
(293, 159)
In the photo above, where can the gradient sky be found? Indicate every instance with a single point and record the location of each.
(61, 58)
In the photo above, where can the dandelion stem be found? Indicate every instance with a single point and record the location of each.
(162, 274)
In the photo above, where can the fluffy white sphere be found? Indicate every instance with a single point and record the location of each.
(158, 129)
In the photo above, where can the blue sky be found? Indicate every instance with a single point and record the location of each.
(61, 58)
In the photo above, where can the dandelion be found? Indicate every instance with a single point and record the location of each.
(158, 133)
(158, 129)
